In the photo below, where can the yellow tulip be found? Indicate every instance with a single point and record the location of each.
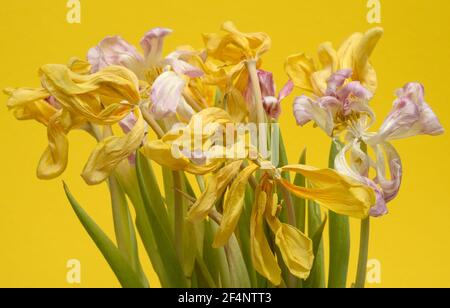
(353, 54)
(102, 98)
(71, 98)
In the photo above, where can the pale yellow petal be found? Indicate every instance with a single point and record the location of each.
(215, 188)
(329, 60)
(54, 160)
(299, 69)
(264, 260)
(233, 206)
(111, 151)
(103, 98)
(363, 70)
(296, 249)
(334, 191)
(30, 104)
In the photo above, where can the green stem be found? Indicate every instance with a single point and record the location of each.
(123, 226)
(179, 214)
(363, 254)
(339, 239)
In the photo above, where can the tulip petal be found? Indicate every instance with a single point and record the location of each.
(390, 186)
(263, 258)
(167, 94)
(411, 116)
(215, 188)
(336, 192)
(233, 206)
(103, 98)
(177, 60)
(54, 160)
(299, 69)
(152, 43)
(111, 151)
(114, 50)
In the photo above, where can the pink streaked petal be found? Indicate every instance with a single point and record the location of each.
(152, 44)
(167, 94)
(182, 67)
(272, 107)
(386, 153)
(354, 90)
(286, 91)
(301, 109)
(267, 83)
(380, 208)
(411, 116)
(113, 50)
(337, 80)
(128, 122)
(414, 91)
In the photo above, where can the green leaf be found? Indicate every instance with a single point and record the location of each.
(150, 184)
(128, 180)
(300, 203)
(124, 228)
(339, 239)
(163, 238)
(121, 268)
(315, 230)
(215, 258)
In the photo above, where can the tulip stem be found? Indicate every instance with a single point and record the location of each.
(152, 122)
(179, 214)
(363, 254)
(257, 94)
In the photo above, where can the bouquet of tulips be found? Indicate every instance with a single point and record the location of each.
(229, 210)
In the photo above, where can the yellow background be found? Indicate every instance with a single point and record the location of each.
(38, 230)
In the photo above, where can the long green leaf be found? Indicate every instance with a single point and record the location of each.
(124, 227)
(339, 239)
(300, 203)
(152, 190)
(315, 230)
(162, 237)
(121, 268)
(128, 180)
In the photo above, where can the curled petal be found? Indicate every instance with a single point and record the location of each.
(233, 206)
(30, 104)
(305, 110)
(114, 50)
(410, 116)
(111, 151)
(337, 80)
(390, 186)
(103, 98)
(339, 193)
(152, 43)
(216, 187)
(167, 94)
(263, 258)
(177, 60)
(359, 170)
(54, 160)
(354, 91)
